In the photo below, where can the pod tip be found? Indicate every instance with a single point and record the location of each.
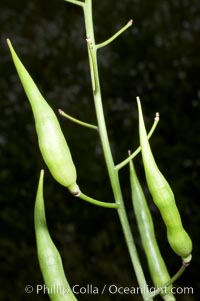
(8, 42)
(186, 260)
(74, 190)
(157, 116)
(138, 99)
(61, 112)
(130, 22)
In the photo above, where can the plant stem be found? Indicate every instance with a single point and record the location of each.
(173, 279)
(134, 154)
(113, 173)
(88, 125)
(105, 43)
(97, 203)
(77, 2)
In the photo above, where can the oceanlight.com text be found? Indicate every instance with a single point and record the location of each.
(113, 289)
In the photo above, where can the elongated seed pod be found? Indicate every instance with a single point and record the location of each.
(163, 197)
(52, 143)
(48, 255)
(156, 264)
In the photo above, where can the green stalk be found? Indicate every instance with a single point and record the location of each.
(134, 154)
(105, 43)
(77, 2)
(113, 173)
(82, 123)
(98, 203)
(173, 279)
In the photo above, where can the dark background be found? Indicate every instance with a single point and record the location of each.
(157, 59)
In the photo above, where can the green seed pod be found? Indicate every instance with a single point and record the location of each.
(156, 264)
(163, 197)
(48, 255)
(52, 143)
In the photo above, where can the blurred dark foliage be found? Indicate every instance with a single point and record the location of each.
(157, 59)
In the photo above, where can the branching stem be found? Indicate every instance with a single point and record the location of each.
(134, 154)
(113, 173)
(108, 41)
(97, 203)
(88, 125)
(80, 3)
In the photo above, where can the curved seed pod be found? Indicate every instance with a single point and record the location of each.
(52, 143)
(163, 197)
(48, 255)
(156, 264)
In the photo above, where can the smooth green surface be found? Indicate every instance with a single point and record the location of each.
(157, 266)
(52, 143)
(163, 196)
(48, 255)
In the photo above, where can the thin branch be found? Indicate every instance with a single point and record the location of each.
(105, 43)
(172, 280)
(88, 125)
(134, 154)
(97, 203)
(79, 3)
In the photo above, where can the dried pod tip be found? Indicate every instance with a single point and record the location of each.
(74, 190)
(130, 22)
(157, 116)
(186, 260)
(60, 111)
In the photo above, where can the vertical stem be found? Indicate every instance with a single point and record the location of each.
(113, 173)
